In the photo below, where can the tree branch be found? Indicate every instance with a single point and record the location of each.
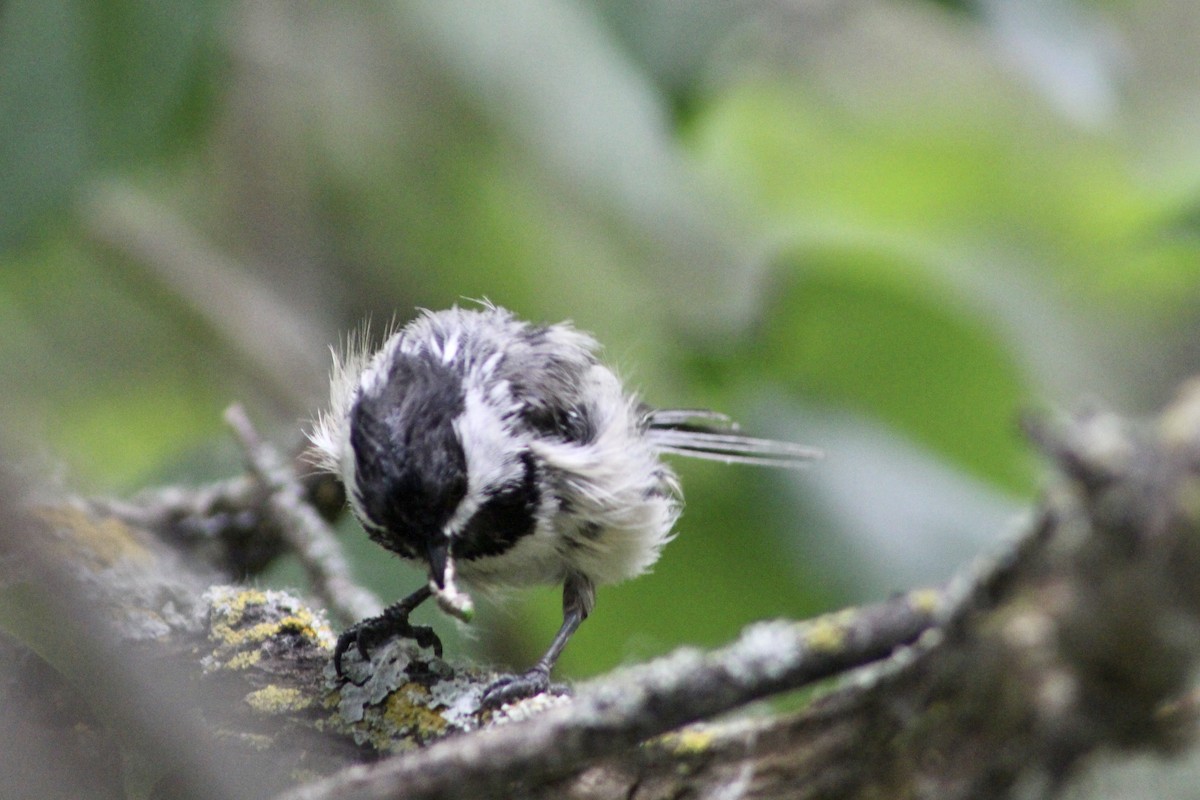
(624, 709)
(1081, 636)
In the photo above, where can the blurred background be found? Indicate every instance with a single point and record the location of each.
(882, 228)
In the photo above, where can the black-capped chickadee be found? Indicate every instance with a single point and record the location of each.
(502, 453)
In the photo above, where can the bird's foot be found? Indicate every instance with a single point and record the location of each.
(512, 688)
(373, 631)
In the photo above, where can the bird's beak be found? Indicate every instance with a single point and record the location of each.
(439, 557)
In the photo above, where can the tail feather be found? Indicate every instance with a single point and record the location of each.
(711, 435)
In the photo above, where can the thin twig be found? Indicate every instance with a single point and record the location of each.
(640, 702)
(157, 509)
(302, 527)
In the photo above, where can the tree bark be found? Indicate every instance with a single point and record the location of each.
(142, 666)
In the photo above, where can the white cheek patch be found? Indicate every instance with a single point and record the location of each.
(490, 452)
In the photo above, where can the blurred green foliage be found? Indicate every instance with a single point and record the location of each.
(898, 222)
(87, 85)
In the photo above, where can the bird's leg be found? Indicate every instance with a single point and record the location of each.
(579, 596)
(391, 623)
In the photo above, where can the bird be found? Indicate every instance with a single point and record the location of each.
(501, 453)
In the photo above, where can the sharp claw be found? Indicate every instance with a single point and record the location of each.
(368, 633)
(339, 650)
(427, 638)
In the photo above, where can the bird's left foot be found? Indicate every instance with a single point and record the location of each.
(512, 688)
(374, 631)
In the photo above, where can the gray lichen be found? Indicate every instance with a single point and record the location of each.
(404, 695)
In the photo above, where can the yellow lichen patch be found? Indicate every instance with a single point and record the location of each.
(689, 741)
(407, 709)
(257, 634)
(224, 627)
(825, 635)
(238, 627)
(230, 636)
(277, 700)
(302, 623)
(925, 600)
(104, 542)
(244, 660)
(233, 604)
(255, 741)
